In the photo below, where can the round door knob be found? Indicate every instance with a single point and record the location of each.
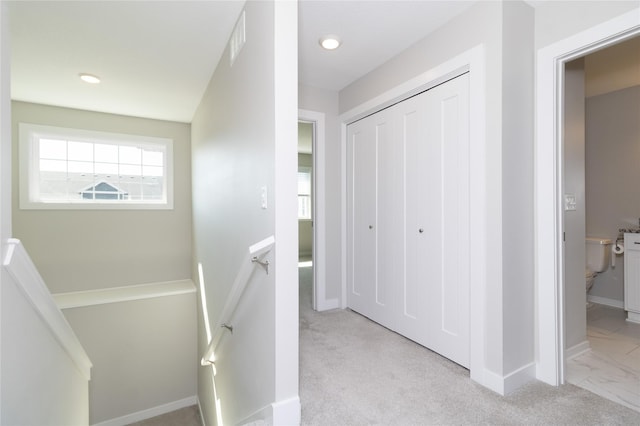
(421, 230)
(370, 226)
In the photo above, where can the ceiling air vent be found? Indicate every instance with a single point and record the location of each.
(237, 38)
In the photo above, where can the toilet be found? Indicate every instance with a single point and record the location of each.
(598, 256)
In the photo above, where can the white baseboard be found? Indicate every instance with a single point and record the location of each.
(606, 301)
(520, 377)
(150, 412)
(328, 304)
(504, 385)
(282, 413)
(633, 317)
(287, 412)
(576, 350)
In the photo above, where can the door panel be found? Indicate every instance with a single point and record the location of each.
(449, 297)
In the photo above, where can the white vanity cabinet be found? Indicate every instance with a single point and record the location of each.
(632, 276)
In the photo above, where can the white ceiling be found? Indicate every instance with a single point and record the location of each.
(155, 58)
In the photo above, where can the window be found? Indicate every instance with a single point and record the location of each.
(64, 168)
(304, 193)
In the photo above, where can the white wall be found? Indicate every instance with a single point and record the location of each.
(244, 138)
(613, 193)
(41, 385)
(556, 20)
(517, 184)
(78, 250)
(575, 299)
(324, 101)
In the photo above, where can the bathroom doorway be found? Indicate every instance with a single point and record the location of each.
(600, 133)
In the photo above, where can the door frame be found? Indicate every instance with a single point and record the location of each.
(472, 60)
(318, 251)
(548, 168)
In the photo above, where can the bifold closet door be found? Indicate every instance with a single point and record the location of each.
(368, 291)
(408, 218)
(437, 226)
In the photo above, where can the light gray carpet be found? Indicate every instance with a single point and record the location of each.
(355, 372)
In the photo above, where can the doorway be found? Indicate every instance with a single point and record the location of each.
(311, 126)
(549, 191)
(602, 91)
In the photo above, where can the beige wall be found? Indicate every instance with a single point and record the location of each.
(612, 175)
(89, 249)
(143, 353)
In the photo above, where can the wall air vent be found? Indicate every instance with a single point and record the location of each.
(238, 37)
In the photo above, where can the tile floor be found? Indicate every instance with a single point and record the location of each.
(611, 368)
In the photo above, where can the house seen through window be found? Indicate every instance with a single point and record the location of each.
(70, 168)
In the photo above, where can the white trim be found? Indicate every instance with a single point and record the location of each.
(577, 350)
(606, 301)
(548, 181)
(504, 385)
(150, 412)
(472, 60)
(633, 317)
(519, 377)
(285, 412)
(81, 299)
(319, 251)
(20, 267)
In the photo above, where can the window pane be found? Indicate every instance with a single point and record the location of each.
(106, 169)
(106, 153)
(152, 158)
(53, 166)
(304, 183)
(54, 149)
(80, 167)
(130, 155)
(151, 171)
(304, 207)
(80, 151)
(130, 170)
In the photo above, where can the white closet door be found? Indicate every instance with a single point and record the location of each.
(442, 196)
(408, 218)
(366, 293)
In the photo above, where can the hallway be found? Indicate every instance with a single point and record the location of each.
(354, 372)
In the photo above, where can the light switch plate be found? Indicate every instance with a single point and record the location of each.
(569, 202)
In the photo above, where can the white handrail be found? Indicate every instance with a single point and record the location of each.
(255, 256)
(21, 268)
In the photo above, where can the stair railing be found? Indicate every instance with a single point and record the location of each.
(256, 255)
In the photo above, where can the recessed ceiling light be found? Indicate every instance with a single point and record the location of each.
(330, 42)
(88, 78)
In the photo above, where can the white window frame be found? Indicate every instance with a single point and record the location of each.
(309, 170)
(29, 136)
